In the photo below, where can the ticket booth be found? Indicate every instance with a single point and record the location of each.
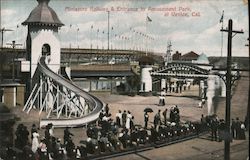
(12, 94)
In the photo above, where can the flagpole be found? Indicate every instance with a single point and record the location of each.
(222, 17)
(103, 37)
(77, 32)
(17, 28)
(91, 41)
(108, 30)
(97, 38)
(70, 33)
(146, 34)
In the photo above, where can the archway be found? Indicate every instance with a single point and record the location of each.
(179, 76)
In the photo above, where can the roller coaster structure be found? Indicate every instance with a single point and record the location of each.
(64, 103)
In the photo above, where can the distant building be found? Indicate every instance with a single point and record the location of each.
(188, 57)
(176, 56)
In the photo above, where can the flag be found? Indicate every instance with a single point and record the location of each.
(91, 26)
(149, 19)
(222, 16)
(70, 25)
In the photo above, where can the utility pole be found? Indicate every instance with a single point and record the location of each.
(2, 32)
(248, 108)
(228, 87)
(13, 44)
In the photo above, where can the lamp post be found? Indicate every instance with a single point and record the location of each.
(13, 44)
(3, 30)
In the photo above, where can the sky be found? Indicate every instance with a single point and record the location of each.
(190, 25)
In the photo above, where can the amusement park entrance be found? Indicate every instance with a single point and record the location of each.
(179, 77)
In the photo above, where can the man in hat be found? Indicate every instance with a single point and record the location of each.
(67, 135)
(214, 128)
(107, 109)
(146, 117)
(164, 113)
(157, 119)
(124, 117)
(119, 118)
(33, 129)
(233, 125)
(237, 128)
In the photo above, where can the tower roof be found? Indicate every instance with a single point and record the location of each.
(43, 15)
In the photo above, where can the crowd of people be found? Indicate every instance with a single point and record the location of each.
(49, 147)
(110, 135)
(121, 133)
(178, 86)
(218, 126)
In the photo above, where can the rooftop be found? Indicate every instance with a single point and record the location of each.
(43, 15)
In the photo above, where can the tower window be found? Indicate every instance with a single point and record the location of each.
(46, 50)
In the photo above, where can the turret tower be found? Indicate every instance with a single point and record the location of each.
(42, 38)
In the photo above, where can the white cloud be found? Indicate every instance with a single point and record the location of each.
(7, 12)
(110, 4)
(180, 35)
(209, 34)
(200, 34)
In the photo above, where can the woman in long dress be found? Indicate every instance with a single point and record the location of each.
(35, 143)
(128, 123)
(118, 118)
(242, 135)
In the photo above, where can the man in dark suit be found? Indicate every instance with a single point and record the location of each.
(233, 125)
(214, 128)
(67, 135)
(164, 113)
(124, 117)
(146, 117)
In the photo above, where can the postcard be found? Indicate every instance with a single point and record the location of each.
(124, 79)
